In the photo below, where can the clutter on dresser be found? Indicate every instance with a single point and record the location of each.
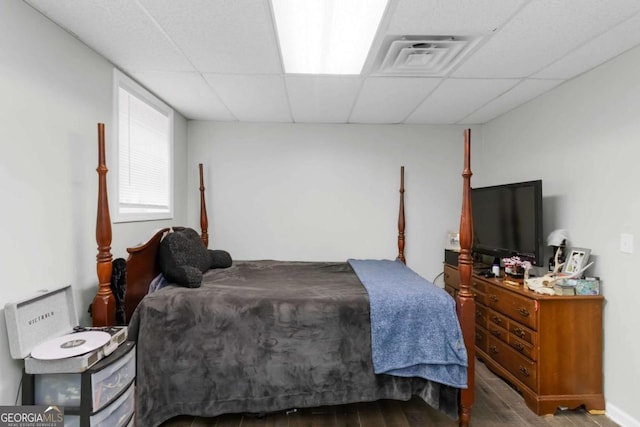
(515, 266)
(576, 262)
(586, 286)
(556, 282)
(88, 371)
(557, 240)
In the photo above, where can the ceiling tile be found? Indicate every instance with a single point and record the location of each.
(188, 93)
(390, 99)
(221, 36)
(541, 33)
(119, 30)
(450, 17)
(520, 94)
(169, 46)
(253, 98)
(455, 99)
(604, 47)
(322, 99)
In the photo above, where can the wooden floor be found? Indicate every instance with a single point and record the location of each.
(497, 404)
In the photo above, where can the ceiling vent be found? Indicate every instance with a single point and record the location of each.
(423, 55)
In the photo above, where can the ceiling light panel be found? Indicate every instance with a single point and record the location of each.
(326, 36)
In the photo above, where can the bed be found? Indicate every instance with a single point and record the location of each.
(263, 336)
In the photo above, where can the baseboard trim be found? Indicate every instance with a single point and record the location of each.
(620, 417)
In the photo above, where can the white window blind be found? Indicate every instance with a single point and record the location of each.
(144, 155)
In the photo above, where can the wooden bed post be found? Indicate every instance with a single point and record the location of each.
(466, 305)
(103, 308)
(204, 222)
(401, 219)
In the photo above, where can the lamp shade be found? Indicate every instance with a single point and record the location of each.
(557, 237)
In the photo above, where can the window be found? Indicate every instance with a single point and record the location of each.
(144, 153)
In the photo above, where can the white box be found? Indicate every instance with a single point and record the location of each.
(40, 318)
(46, 316)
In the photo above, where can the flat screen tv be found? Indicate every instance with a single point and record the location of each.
(507, 221)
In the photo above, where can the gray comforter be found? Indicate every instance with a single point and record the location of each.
(263, 336)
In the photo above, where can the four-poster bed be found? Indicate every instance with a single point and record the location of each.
(346, 327)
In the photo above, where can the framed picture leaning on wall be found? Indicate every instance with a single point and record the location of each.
(576, 260)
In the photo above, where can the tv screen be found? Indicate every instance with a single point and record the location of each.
(507, 220)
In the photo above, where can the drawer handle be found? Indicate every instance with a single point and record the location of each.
(524, 371)
(478, 314)
(479, 337)
(518, 346)
(495, 333)
(496, 319)
(519, 332)
(523, 311)
(493, 349)
(493, 298)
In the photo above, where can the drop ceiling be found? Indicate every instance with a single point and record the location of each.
(219, 59)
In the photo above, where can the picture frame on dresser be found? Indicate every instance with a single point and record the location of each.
(576, 260)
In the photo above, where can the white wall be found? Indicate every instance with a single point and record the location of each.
(328, 192)
(54, 92)
(273, 188)
(583, 140)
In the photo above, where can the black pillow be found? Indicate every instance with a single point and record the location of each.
(219, 258)
(183, 258)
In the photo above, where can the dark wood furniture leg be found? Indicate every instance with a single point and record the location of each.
(465, 301)
(103, 308)
(204, 222)
(401, 222)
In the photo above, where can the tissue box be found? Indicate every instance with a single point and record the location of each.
(589, 286)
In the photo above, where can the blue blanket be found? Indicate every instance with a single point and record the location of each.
(414, 328)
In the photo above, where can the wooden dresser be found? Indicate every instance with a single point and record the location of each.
(548, 347)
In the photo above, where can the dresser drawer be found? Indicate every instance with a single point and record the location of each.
(515, 306)
(482, 338)
(497, 319)
(479, 285)
(450, 290)
(518, 365)
(498, 332)
(523, 333)
(451, 276)
(523, 347)
(502, 327)
(479, 290)
(481, 315)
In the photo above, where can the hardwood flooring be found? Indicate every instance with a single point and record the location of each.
(497, 404)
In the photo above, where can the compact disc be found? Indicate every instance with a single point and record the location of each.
(70, 345)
